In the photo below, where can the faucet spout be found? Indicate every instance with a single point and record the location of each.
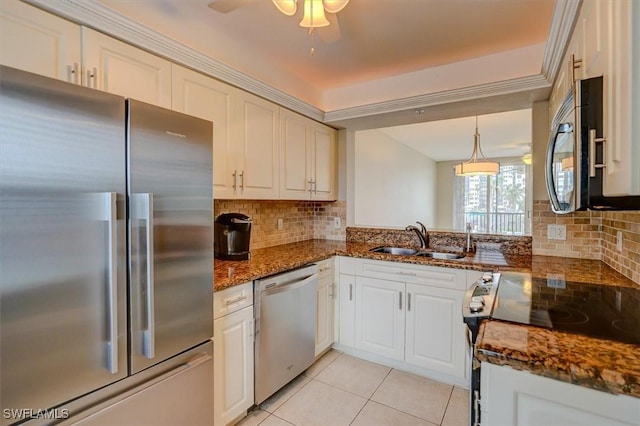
(424, 242)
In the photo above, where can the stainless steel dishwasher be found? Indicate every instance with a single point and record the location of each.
(285, 311)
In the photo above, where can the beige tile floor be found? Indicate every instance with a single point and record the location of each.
(342, 390)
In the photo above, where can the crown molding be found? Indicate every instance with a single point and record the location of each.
(565, 15)
(101, 18)
(93, 14)
(516, 85)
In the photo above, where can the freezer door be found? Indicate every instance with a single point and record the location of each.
(170, 225)
(62, 242)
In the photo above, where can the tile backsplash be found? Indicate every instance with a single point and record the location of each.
(302, 220)
(591, 235)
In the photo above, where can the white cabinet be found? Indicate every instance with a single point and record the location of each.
(380, 317)
(256, 175)
(434, 330)
(519, 398)
(405, 315)
(325, 307)
(308, 158)
(39, 42)
(233, 331)
(116, 67)
(201, 96)
(346, 317)
(606, 42)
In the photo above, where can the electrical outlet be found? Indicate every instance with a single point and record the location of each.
(619, 240)
(337, 222)
(556, 232)
(280, 223)
(556, 281)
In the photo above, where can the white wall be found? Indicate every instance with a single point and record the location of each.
(444, 201)
(394, 185)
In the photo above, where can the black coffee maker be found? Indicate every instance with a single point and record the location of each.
(232, 233)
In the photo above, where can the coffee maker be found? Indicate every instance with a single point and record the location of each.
(232, 233)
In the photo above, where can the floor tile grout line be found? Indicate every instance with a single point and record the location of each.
(447, 407)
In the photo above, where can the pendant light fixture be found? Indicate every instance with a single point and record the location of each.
(478, 164)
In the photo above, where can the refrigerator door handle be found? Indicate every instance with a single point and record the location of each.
(112, 345)
(149, 333)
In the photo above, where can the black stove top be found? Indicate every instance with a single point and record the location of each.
(602, 311)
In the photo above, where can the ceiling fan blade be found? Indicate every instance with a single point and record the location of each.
(226, 6)
(332, 32)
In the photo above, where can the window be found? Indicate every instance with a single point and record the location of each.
(494, 204)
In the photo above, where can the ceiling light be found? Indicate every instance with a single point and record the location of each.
(288, 7)
(314, 15)
(334, 6)
(477, 165)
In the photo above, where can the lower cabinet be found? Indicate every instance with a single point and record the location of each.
(406, 315)
(325, 307)
(233, 331)
(511, 397)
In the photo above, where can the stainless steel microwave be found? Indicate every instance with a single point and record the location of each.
(575, 154)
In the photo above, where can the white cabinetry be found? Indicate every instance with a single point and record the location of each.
(256, 175)
(116, 67)
(519, 398)
(307, 158)
(233, 353)
(325, 307)
(201, 96)
(606, 42)
(380, 317)
(407, 316)
(39, 42)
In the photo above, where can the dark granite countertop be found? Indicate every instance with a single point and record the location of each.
(595, 363)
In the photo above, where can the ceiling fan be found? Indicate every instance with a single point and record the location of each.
(327, 26)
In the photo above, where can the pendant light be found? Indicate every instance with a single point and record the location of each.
(477, 164)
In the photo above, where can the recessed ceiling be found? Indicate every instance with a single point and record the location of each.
(369, 40)
(506, 134)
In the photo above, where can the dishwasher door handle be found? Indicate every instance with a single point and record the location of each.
(289, 285)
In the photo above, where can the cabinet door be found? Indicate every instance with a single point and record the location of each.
(257, 144)
(380, 317)
(324, 323)
(435, 336)
(521, 398)
(324, 162)
(233, 365)
(347, 310)
(201, 96)
(295, 156)
(116, 67)
(39, 42)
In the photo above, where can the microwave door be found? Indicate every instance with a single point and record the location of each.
(560, 169)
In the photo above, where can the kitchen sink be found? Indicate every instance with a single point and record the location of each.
(441, 255)
(395, 250)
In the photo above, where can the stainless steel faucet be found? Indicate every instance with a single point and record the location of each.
(422, 233)
(469, 247)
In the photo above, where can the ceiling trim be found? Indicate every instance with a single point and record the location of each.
(521, 84)
(101, 18)
(565, 14)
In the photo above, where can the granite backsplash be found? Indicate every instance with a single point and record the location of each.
(443, 240)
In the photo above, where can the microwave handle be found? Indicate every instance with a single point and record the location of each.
(592, 153)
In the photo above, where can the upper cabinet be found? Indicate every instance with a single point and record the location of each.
(260, 150)
(39, 42)
(606, 43)
(116, 67)
(256, 175)
(201, 96)
(308, 158)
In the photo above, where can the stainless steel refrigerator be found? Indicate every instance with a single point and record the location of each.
(106, 258)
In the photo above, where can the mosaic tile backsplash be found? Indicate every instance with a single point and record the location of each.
(302, 220)
(591, 235)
